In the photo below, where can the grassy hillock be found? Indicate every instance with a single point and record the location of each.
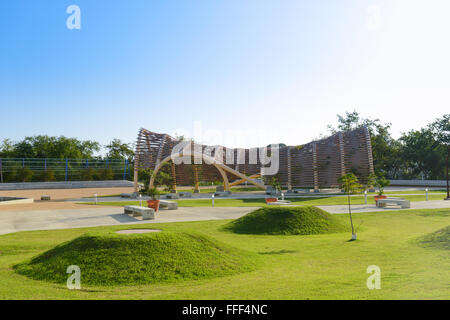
(439, 239)
(287, 221)
(129, 259)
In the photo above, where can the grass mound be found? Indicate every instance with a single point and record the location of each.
(287, 221)
(439, 239)
(131, 259)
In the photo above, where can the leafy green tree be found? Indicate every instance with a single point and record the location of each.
(371, 180)
(48, 175)
(349, 183)
(275, 184)
(441, 129)
(421, 155)
(6, 148)
(87, 174)
(381, 182)
(43, 146)
(119, 150)
(24, 175)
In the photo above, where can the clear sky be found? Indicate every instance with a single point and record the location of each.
(250, 72)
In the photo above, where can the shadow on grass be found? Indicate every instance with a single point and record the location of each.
(277, 252)
(293, 200)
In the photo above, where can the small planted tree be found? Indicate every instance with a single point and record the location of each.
(381, 182)
(275, 184)
(349, 183)
(371, 181)
(153, 193)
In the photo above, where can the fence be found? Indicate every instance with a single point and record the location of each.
(34, 170)
(419, 183)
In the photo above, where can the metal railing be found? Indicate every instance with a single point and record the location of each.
(33, 170)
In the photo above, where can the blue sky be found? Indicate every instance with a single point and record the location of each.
(252, 72)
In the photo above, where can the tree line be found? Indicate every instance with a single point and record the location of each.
(47, 147)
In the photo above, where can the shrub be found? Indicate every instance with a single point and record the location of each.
(104, 174)
(87, 174)
(48, 175)
(24, 175)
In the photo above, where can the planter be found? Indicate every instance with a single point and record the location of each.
(378, 198)
(154, 204)
(271, 200)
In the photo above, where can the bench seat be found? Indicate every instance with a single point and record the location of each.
(381, 203)
(146, 213)
(170, 205)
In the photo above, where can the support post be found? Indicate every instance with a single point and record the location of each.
(67, 169)
(135, 177)
(174, 177)
(289, 169)
(315, 168)
(125, 169)
(342, 153)
(1, 171)
(196, 185)
(448, 156)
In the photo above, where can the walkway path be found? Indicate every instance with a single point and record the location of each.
(435, 204)
(13, 221)
(86, 216)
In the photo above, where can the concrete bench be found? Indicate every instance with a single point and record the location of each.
(279, 203)
(146, 213)
(185, 194)
(172, 196)
(169, 205)
(129, 195)
(398, 201)
(222, 194)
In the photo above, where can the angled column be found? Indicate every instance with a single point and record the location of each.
(342, 153)
(289, 168)
(315, 167)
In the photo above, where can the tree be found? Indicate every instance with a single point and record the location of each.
(371, 181)
(43, 146)
(421, 155)
(275, 184)
(119, 150)
(349, 183)
(441, 129)
(6, 149)
(381, 182)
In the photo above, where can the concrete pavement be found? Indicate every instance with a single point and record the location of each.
(435, 204)
(86, 216)
(14, 221)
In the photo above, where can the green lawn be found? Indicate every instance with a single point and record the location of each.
(308, 201)
(324, 266)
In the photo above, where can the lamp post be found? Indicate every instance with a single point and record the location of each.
(426, 193)
(365, 196)
(140, 199)
(212, 198)
(95, 198)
